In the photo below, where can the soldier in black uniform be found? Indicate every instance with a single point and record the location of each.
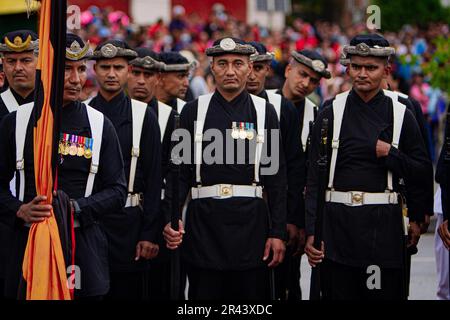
(303, 74)
(420, 197)
(174, 82)
(374, 141)
(142, 84)
(287, 275)
(90, 172)
(19, 49)
(132, 231)
(230, 230)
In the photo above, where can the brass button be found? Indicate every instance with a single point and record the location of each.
(357, 198)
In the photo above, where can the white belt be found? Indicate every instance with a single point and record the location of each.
(224, 191)
(358, 198)
(133, 200)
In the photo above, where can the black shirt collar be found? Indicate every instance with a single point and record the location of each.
(238, 100)
(20, 100)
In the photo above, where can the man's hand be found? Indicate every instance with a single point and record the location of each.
(173, 238)
(424, 225)
(382, 149)
(278, 248)
(314, 256)
(147, 250)
(413, 234)
(33, 211)
(444, 234)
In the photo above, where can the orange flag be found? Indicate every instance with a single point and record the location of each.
(44, 269)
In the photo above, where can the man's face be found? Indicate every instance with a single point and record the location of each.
(20, 70)
(112, 74)
(74, 79)
(367, 73)
(142, 83)
(301, 80)
(231, 71)
(175, 84)
(2, 79)
(257, 78)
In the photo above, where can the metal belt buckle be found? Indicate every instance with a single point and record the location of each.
(225, 190)
(357, 197)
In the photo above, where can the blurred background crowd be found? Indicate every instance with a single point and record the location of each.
(421, 64)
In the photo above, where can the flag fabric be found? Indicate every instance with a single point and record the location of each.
(44, 269)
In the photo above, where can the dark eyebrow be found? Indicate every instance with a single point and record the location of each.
(363, 65)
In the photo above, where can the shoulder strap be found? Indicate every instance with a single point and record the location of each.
(138, 109)
(202, 109)
(22, 119)
(260, 106)
(9, 100)
(275, 100)
(164, 111)
(271, 91)
(399, 114)
(96, 120)
(180, 105)
(338, 114)
(86, 102)
(308, 116)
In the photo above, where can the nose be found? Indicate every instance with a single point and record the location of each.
(185, 82)
(140, 79)
(251, 77)
(74, 77)
(111, 74)
(305, 82)
(230, 70)
(18, 66)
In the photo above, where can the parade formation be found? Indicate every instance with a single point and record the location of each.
(159, 195)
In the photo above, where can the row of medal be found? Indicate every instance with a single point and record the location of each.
(243, 130)
(70, 144)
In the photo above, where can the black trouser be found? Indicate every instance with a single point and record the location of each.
(2, 289)
(206, 284)
(159, 279)
(287, 278)
(128, 286)
(342, 282)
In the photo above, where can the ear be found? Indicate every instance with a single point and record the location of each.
(387, 70)
(287, 70)
(347, 68)
(250, 68)
(95, 68)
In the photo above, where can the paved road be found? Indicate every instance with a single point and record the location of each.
(423, 271)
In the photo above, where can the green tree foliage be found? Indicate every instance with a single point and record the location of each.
(439, 65)
(396, 13)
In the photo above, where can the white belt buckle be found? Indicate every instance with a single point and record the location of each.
(225, 191)
(357, 198)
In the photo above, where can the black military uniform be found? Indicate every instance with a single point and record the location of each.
(74, 171)
(9, 102)
(227, 221)
(16, 41)
(138, 220)
(362, 219)
(287, 275)
(305, 112)
(159, 273)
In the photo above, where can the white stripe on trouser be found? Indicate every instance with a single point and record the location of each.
(441, 253)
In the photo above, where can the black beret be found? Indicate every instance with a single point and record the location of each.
(114, 49)
(76, 49)
(312, 60)
(368, 45)
(147, 59)
(19, 41)
(230, 45)
(174, 61)
(261, 53)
